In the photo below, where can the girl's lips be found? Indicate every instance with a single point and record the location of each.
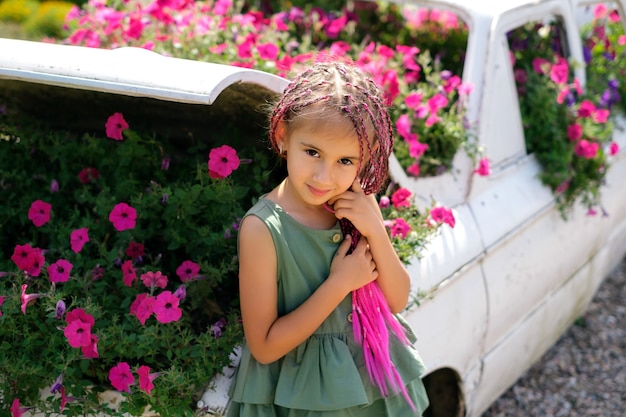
(316, 191)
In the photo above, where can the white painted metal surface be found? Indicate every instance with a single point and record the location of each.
(510, 277)
(129, 71)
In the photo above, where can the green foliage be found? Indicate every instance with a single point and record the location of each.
(183, 214)
(17, 10)
(566, 128)
(48, 20)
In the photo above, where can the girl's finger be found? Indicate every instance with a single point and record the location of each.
(356, 185)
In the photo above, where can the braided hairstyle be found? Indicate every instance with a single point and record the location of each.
(341, 88)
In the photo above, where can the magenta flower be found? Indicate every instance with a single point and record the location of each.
(483, 168)
(586, 109)
(400, 227)
(115, 125)
(187, 271)
(60, 271)
(21, 255)
(613, 148)
(39, 212)
(413, 169)
(1, 302)
(129, 273)
(27, 298)
(142, 307)
(401, 198)
(146, 378)
(181, 292)
(91, 350)
(586, 149)
(574, 132)
(166, 307)
(17, 410)
(121, 377)
(88, 175)
(268, 51)
(384, 202)
(417, 148)
(154, 279)
(441, 214)
(135, 250)
(78, 238)
(222, 161)
(78, 333)
(123, 217)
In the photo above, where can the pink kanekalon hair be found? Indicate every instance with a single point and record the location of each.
(340, 88)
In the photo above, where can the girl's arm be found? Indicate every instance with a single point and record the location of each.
(363, 211)
(270, 337)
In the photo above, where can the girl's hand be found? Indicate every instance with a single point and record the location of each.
(361, 209)
(353, 270)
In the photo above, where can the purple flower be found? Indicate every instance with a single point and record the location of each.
(60, 310)
(57, 384)
(217, 327)
(165, 163)
(181, 293)
(54, 186)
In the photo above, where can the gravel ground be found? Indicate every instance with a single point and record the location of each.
(584, 373)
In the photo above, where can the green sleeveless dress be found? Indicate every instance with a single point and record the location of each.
(325, 376)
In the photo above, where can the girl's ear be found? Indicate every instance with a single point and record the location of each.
(280, 136)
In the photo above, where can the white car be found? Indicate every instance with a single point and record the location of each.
(511, 276)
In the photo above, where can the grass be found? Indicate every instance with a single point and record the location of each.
(13, 30)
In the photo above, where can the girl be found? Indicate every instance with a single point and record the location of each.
(297, 270)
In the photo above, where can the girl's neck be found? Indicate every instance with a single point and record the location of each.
(315, 217)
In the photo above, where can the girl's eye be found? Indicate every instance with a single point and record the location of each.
(345, 161)
(311, 152)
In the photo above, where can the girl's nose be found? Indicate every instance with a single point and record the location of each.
(323, 173)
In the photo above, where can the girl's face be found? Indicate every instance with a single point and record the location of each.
(322, 159)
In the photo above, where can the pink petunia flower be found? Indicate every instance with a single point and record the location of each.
(129, 273)
(400, 228)
(384, 202)
(78, 239)
(60, 271)
(223, 161)
(146, 378)
(613, 148)
(91, 350)
(413, 169)
(123, 217)
(1, 302)
(401, 198)
(78, 333)
(586, 109)
(441, 214)
(88, 175)
(187, 271)
(16, 409)
(121, 377)
(21, 256)
(600, 115)
(483, 168)
(154, 279)
(135, 250)
(27, 298)
(115, 125)
(586, 149)
(142, 307)
(574, 132)
(39, 212)
(268, 51)
(166, 307)
(403, 126)
(417, 149)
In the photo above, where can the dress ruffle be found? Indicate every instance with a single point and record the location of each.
(327, 372)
